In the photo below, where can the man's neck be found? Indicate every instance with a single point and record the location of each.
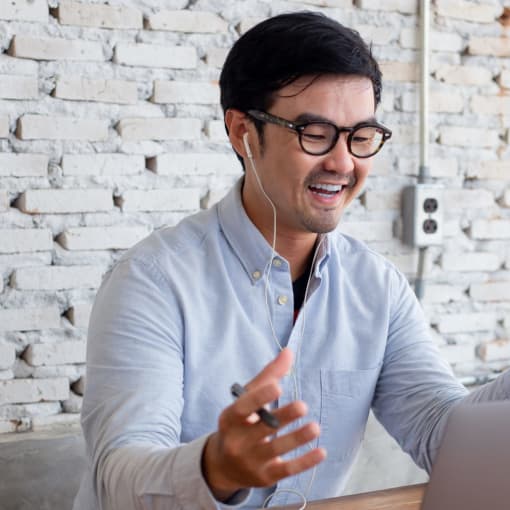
(297, 251)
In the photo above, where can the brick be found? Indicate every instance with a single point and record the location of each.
(18, 66)
(467, 199)
(101, 238)
(457, 353)
(152, 55)
(215, 131)
(376, 35)
(4, 201)
(102, 164)
(494, 105)
(194, 163)
(4, 126)
(490, 291)
(403, 6)
(492, 46)
(79, 314)
(132, 129)
(25, 240)
(56, 201)
(490, 229)
(215, 57)
(59, 353)
(59, 421)
(184, 199)
(7, 427)
(186, 92)
(7, 356)
(441, 293)
(102, 16)
(476, 261)
(399, 71)
(468, 137)
(33, 390)
(368, 230)
(18, 87)
(438, 167)
(381, 200)
(469, 11)
(23, 165)
(48, 48)
(71, 372)
(57, 278)
(496, 350)
(466, 322)
(248, 22)
(25, 10)
(438, 102)
(463, 75)
(492, 169)
(46, 127)
(504, 78)
(439, 41)
(107, 91)
(13, 412)
(187, 21)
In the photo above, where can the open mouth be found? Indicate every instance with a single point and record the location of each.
(326, 190)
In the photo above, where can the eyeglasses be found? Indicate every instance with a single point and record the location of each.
(319, 137)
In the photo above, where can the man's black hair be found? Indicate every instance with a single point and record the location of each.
(286, 47)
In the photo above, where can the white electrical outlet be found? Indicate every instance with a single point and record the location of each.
(422, 215)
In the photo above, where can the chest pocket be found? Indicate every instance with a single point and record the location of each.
(346, 396)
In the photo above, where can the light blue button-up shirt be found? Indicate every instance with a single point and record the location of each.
(183, 315)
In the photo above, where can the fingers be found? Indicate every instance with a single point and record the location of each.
(279, 469)
(275, 369)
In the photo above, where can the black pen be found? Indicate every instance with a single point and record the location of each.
(269, 419)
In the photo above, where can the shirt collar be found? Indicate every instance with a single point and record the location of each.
(252, 249)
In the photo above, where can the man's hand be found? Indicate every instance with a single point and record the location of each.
(244, 451)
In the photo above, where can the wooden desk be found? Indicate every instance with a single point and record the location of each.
(400, 498)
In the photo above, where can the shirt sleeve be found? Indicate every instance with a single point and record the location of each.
(416, 387)
(134, 399)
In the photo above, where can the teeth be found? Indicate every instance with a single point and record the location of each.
(328, 187)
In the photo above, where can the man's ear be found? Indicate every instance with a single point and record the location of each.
(238, 124)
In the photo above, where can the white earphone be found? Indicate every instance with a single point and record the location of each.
(247, 146)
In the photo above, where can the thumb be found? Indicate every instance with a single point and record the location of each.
(275, 369)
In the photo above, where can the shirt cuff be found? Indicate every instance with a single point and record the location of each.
(190, 486)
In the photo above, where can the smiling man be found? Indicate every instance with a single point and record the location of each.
(263, 290)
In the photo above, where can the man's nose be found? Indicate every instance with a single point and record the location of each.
(339, 159)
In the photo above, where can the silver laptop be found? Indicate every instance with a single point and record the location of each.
(472, 469)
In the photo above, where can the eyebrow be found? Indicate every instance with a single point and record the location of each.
(313, 117)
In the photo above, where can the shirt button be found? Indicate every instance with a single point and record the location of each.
(256, 275)
(277, 262)
(282, 300)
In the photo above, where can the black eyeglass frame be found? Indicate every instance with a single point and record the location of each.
(299, 128)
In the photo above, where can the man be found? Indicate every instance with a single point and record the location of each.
(262, 290)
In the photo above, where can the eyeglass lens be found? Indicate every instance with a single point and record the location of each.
(318, 138)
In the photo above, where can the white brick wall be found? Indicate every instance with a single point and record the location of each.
(31, 390)
(104, 16)
(47, 127)
(102, 164)
(101, 238)
(38, 201)
(59, 353)
(57, 277)
(159, 129)
(110, 126)
(160, 200)
(187, 21)
(47, 48)
(108, 91)
(29, 319)
(152, 55)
